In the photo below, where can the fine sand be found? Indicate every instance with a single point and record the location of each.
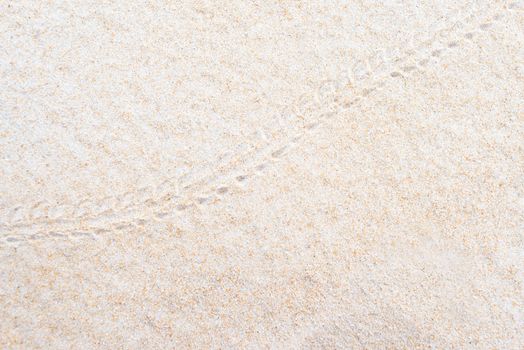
(262, 175)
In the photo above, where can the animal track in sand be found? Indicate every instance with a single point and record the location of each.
(44, 221)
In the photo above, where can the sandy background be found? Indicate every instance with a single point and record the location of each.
(330, 175)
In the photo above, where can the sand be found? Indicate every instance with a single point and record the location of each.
(245, 175)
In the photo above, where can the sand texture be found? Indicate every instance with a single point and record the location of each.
(262, 174)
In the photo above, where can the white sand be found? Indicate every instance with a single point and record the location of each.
(285, 175)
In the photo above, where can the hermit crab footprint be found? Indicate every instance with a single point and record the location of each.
(170, 198)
